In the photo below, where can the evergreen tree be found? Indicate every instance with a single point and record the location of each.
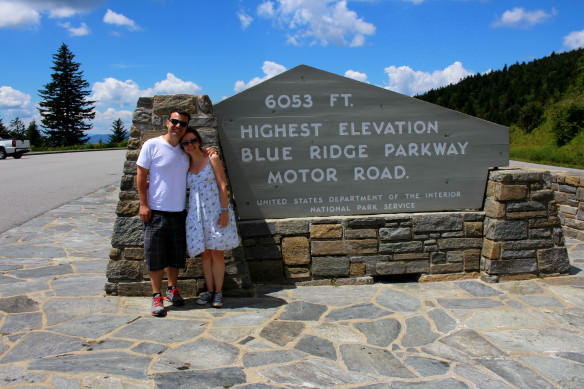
(119, 133)
(65, 109)
(34, 135)
(3, 130)
(16, 128)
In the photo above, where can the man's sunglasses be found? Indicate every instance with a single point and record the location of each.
(182, 123)
(188, 142)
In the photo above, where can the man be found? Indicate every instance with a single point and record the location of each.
(161, 179)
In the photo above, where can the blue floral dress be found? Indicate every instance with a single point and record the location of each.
(204, 209)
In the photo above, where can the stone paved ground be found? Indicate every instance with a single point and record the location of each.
(59, 330)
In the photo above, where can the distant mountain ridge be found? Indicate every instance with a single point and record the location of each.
(542, 103)
(95, 138)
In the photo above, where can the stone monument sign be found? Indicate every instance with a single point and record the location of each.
(310, 143)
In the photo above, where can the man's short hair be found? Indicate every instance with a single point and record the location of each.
(180, 112)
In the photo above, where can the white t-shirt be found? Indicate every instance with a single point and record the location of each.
(168, 168)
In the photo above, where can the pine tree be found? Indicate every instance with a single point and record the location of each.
(119, 133)
(65, 109)
(34, 135)
(3, 130)
(16, 128)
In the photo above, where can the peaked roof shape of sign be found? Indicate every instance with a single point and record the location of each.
(311, 143)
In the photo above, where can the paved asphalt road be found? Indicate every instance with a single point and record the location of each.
(36, 183)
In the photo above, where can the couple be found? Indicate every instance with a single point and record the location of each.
(165, 166)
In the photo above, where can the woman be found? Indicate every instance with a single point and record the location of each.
(210, 221)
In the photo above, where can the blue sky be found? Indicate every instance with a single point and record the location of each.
(133, 48)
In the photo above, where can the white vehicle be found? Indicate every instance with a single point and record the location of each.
(13, 147)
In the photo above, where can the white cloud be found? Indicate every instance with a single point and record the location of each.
(115, 92)
(574, 40)
(519, 17)
(356, 75)
(13, 14)
(117, 19)
(20, 13)
(407, 81)
(174, 85)
(270, 70)
(244, 19)
(104, 120)
(125, 93)
(317, 22)
(11, 98)
(76, 31)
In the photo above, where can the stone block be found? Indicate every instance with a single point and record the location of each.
(553, 260)
(395, 234)
(410, 256)
(400, 247)
(580, 194)
(573, 180)
(296, 272)
(128, 195)
(505, 229)
(515, 266)
(495, 209)
(292, 227)
(194, 269)
(134, 253)
(330, 266)
(438, 257)
(372, 222)
(505, 192)
(362, 233)
(128, 232)
(473, 229)
(357, 269)
(447, 268)
(542, 196)
(459, 243)
(295, 251)
(524, 206)
(123, 270)
(326, 231)
(128, 182)
(437, 222)
(539, 233)
(402, 267)
(527, 244)
(526, 215)
(491, 249)
(472, 259)
(130, 167)
(256, 228)
(134, 131)
(115, 254)
(266, 271)
(263, 252)
(127, 208)
(573, 223)
(344, 247)
(580, 213)
(568, 189)
(133, 143)
(132, 155)
(454, 257)
(518, 254)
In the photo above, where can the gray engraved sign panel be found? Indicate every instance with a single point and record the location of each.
(311, 143)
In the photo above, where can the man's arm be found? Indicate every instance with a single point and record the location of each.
(142, 185)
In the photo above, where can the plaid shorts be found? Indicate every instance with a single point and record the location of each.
(165, 240)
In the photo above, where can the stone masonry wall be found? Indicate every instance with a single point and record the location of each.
(569, 196)
(523, 233)
(518, 233)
